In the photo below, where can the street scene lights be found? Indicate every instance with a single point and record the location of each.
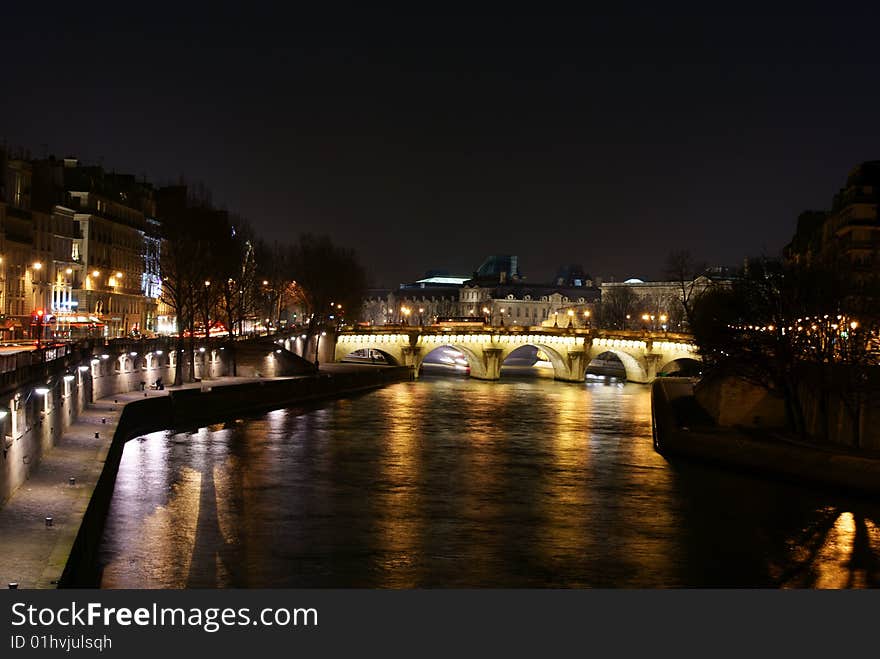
(406, 311)
(587, 320)
(570, 318)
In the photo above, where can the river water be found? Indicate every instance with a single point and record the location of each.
(453, 482)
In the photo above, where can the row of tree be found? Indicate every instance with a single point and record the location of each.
(803, 330)
(218, 276)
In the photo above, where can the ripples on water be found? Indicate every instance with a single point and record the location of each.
(452, 482)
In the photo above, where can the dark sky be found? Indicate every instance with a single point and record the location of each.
(432, 141)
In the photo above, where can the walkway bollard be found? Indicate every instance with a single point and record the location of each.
(48, 522)
(96, 436)
(71, 481)
(13, 585)
(103, 419)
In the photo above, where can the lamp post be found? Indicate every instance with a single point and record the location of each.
(406, 311)
(587, 320)
(570, 318)
(486, 314)
(663, 319)
(501, 311)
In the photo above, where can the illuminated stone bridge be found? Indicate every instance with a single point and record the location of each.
(642, 354)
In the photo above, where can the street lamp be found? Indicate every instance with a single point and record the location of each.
(587, 319)
(486, 313)
(406, 311)
(663, 319)
(570, 318)
(501, 312)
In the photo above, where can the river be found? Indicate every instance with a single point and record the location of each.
(453, 482)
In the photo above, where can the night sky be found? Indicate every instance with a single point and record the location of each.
(430, 142)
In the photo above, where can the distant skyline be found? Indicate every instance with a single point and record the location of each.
(431, 142)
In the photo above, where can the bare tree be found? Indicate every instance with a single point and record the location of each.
(617, 307)
(330, 282)
(682, 268)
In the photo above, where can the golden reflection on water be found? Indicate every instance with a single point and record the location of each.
(466, 483)
(398, 518)
(170, 532)
(839, 551)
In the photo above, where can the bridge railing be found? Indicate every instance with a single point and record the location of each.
(641, 335)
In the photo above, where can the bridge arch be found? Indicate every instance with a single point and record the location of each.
(684, 364)
(635, 371)
(363, 355)
(475, 362)
(560, 368)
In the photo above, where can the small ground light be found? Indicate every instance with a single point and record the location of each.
(41, 391)
(68, 378)
(71, 481)
(49, 522)
(83, 368)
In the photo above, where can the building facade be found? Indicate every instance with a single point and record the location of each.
(850, 231)
(80, 251)
(496, 294)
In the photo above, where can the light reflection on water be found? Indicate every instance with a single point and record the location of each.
(456, 482)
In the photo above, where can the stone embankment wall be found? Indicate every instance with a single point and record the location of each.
(39, 401)
(734, 402)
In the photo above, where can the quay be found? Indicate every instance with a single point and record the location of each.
(681, 428)
(51, 526)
